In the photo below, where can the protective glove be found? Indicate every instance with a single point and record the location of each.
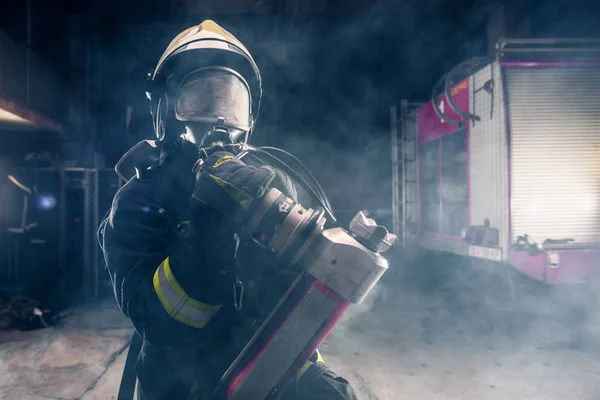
(203, 251)
(227, 186)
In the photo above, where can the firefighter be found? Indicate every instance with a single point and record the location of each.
(169, 240)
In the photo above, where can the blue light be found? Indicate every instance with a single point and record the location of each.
(46, 202)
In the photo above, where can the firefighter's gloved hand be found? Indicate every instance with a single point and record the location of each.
(227, 186)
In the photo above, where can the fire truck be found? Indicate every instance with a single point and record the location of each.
(502, 165)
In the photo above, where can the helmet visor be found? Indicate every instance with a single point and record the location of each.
(212, 93)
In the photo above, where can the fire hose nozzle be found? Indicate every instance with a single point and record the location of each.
(335, 267)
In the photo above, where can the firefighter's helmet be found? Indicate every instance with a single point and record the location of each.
(205, 77)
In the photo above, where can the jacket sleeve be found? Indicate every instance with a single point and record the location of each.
(155, 273)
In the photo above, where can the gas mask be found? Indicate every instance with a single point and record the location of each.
(214, 106)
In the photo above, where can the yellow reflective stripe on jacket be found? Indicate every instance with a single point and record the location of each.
(177, 303)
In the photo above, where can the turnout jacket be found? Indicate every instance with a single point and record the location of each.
(162, 268)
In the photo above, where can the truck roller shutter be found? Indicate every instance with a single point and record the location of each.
(554, 117)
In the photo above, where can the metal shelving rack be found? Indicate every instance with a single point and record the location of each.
(64, 242)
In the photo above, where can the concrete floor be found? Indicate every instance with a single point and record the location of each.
(405, 345)
(79, 359)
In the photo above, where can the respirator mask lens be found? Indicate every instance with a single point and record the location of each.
(209, 94)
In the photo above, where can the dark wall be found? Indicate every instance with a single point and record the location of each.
(328, 80)
(328, 83)
(15, 146)
(48, 28)
(566, 18)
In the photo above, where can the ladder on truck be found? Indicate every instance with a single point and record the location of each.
(405, 206)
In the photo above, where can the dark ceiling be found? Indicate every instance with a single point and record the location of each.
(340, 49)
(331, 68)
